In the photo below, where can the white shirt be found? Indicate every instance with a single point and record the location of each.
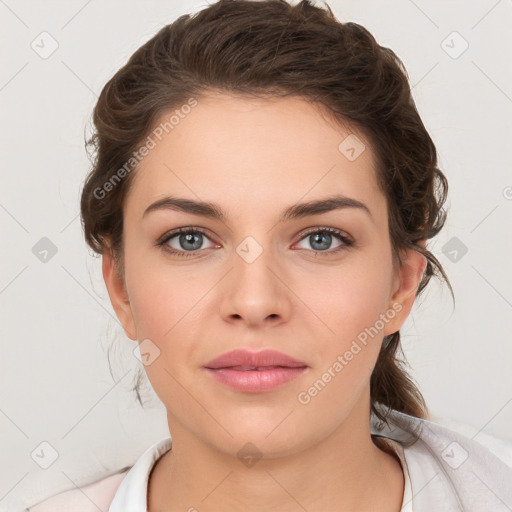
(132, 493)
(444, 471)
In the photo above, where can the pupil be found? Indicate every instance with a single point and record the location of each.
(189, 238)
(319, 236)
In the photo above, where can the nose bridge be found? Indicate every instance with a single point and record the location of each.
(254, 289)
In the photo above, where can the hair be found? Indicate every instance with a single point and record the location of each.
(270, 48)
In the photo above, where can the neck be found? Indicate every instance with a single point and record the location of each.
(344, 471)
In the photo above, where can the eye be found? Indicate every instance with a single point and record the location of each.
(321, 239)
(184, 241)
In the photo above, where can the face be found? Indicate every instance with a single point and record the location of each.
(317, 285)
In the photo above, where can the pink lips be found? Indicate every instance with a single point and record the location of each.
(255, 371)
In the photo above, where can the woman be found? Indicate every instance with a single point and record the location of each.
(262, 196)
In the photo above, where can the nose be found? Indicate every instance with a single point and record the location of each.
(255, 291)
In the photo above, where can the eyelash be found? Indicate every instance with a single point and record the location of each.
(347, 242)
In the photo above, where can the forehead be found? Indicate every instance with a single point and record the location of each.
(242, 150)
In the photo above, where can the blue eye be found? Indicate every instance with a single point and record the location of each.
(190, 240)
(320, 239)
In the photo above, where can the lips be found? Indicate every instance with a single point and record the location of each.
(248, 368)
(247, 371)
(246, 360)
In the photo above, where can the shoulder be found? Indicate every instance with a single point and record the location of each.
(459, 470)
(455, 443)
(92, 497)
(105, 493)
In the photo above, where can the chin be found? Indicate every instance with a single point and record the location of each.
(269, 435)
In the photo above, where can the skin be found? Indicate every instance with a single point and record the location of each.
(254, 158)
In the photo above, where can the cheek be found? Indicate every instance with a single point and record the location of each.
(348, 299)
(166, 309)
(161, 296)
(168, 304)
(350, 306)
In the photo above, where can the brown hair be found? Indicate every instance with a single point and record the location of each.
(271, 48)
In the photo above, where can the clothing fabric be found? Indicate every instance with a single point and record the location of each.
(444, 471)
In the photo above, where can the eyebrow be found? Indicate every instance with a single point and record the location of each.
(296, 211)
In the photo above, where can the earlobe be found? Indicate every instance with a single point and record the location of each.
(118, 295)
(409, 277)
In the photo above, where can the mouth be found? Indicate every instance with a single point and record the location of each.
(256, 380)
(252, 368)
(255, 372)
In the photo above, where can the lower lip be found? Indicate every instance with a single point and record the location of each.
(255, 381)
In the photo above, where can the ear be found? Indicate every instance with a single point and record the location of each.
(118, 296)
(405, 285)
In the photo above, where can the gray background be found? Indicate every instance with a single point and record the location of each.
(56, 319)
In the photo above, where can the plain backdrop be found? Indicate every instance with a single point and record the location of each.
(56, 319)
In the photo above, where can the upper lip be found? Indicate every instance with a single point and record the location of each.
(248, 359)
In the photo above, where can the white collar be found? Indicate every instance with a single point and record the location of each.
(131, 496)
